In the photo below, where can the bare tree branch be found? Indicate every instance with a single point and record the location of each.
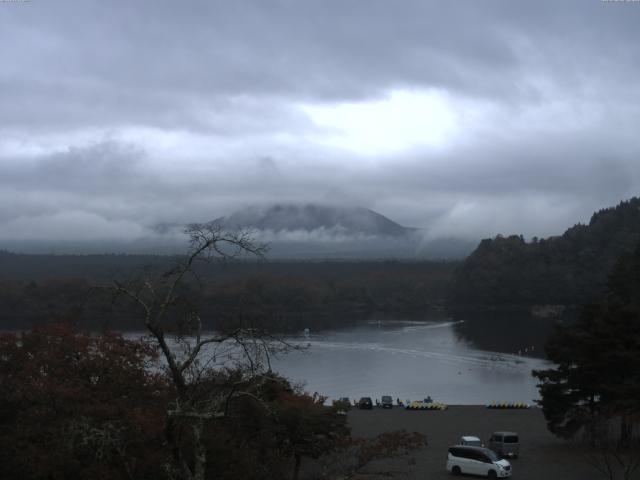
(196, 371)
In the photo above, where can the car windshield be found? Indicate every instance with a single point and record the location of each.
(492, 455)
(511, 439)
(386, 398)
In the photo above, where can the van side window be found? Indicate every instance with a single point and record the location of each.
(479, 456)
(464, 453)
(511, 439)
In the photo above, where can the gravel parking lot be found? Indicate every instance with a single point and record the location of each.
(542, 456)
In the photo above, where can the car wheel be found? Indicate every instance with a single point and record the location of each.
(492, 474)
(456, 470)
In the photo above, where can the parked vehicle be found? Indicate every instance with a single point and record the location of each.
(365, 403)
(386, 402)
(477, 461)
(470, 440)
(505, 444)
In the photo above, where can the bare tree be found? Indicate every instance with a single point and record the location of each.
(614, 462)
(196, 359)
(613, 455)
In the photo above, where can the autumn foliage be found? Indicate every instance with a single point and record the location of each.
(74, 405)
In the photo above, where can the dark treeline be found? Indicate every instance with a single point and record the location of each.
(35, 289)
(503, 272)
(570, 269)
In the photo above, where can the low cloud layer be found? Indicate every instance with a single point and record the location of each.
(466, 119)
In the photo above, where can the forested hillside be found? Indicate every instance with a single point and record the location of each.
(570, 269)
(38, 289)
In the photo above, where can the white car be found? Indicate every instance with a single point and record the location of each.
(477, 461)
(472, 441)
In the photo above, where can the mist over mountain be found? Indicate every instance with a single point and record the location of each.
(294, 231)
(311, 217)
(329, 231)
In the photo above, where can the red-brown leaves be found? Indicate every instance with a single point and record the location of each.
(76, 404)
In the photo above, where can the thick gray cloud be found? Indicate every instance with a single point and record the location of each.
(465, 118)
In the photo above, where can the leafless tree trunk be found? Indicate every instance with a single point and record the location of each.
(615, 463)
(612, 457)
(186, 354)
(296, 466)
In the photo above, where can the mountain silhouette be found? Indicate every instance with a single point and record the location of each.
(313, 217)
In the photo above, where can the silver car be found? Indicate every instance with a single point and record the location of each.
(386, 402)
(471, 441)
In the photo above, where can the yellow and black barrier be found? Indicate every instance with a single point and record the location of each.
(508, 405)
(426, 406)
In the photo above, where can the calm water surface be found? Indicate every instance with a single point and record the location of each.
(411, 360)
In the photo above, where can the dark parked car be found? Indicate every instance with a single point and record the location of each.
(386, 402)
(365, 403)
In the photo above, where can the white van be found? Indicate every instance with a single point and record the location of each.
(477, 461)
(472, 441)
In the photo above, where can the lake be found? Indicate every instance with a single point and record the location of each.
(453, 360)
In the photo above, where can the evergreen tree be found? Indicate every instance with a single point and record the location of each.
(597, 378)
(570, 269)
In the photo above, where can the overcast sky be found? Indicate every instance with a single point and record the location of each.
(467, 118)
